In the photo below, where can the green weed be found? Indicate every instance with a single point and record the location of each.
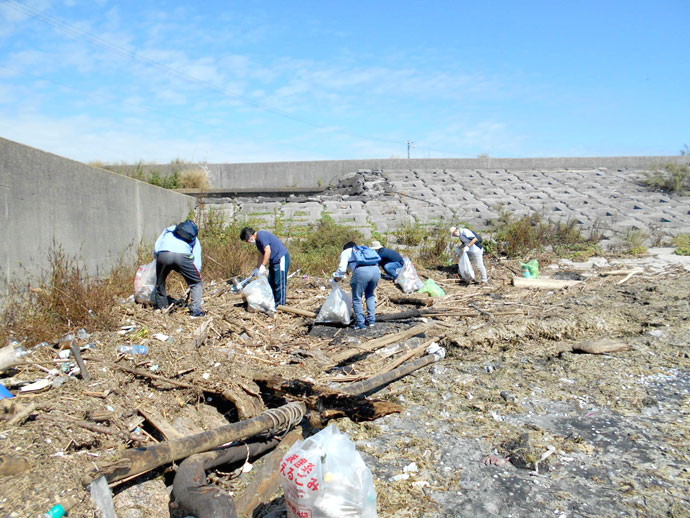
(682, 244)
(670, 178)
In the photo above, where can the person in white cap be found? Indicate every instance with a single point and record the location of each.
(391, 261)
(472, 244)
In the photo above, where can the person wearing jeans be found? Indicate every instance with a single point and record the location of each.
(363, 283)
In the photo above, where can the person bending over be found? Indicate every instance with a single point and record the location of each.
(363, 282)
(272, 255)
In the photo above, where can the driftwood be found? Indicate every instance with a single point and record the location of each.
(376, 382)
(249, 404)
(327, 402)
(543, 284)
(403, 315)
(378, 343)
(296, 311)
(416, 301)
(80, 362)
(160, 424)
(22, 415)
(136, 461)
(87, 426)
(201, 333)
(601, 347)
(266, 480)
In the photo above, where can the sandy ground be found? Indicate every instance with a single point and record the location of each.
(511, 423)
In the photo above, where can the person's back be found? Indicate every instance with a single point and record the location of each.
(391, 261)
(178, 249)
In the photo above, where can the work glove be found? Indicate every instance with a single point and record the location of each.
(465, 249)
(262, 270)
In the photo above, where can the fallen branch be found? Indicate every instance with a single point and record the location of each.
(376, 382)
(296, 311)
(87, 426)
(601, 347)
(416, 301)
(378, 343)
(136, 461)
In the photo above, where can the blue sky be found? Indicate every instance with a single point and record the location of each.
(250, 81)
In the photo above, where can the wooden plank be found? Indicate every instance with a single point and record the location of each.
(160, 424)
(543, 284)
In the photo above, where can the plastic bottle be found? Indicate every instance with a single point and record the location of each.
(133, 349)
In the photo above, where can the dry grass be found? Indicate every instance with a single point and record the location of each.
(193, 179)
(63, 300)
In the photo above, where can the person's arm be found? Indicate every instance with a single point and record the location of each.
(342, 266)
(196, 254)
(265, 257)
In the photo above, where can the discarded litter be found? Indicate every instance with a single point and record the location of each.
(530, 270)
(433, 289)
(407, 278)
(326, 477)
(259, 295)
(145, 283)
(337, 309)
(133, 349)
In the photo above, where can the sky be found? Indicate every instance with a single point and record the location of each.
(276, 80)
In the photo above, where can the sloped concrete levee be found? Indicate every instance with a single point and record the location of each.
(608, 198)
(92, 214)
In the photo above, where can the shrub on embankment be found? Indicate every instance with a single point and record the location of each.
(670, 178)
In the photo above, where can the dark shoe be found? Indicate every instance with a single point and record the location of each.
(359, 328)
(197, 314)
(371, 325)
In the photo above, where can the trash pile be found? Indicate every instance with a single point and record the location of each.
(228, 408)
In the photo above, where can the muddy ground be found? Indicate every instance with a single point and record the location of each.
(510, 423)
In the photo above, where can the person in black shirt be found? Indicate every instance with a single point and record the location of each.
(391, 261)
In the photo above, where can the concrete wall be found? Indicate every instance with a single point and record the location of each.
(93, 214)
(322, 173)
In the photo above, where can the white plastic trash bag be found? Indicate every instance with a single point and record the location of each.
(145, 283)
(259, 295)
(465, 268)
(407, 277)
(326, 477)
(338, 307)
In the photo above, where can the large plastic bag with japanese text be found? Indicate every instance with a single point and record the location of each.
(407, 277)
(259, 295)
(338, 307)
(145, 283)
(326, 477)
(465, 268)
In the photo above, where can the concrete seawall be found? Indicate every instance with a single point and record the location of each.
(93, 214)
(322, 173)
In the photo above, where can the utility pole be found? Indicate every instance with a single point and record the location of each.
(409, 145)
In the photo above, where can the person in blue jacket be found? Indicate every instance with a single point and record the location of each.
(391, 261)
(274, 254)
(363, 283)
(178, 249)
